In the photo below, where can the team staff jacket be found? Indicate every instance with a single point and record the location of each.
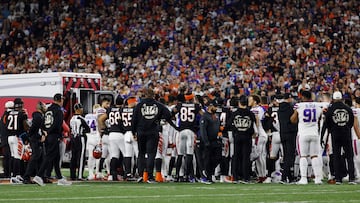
(209, 128)
(339, 119)
(53, 120)
(36, 126)
(242, 122)
(284, 113)
(147, 114)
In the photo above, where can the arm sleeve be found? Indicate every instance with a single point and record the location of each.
(36, 124)
(134, 119)
(84, 125)
(203, 130)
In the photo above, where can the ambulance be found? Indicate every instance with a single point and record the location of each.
(34, 87)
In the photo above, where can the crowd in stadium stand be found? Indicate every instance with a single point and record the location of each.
(221, 48)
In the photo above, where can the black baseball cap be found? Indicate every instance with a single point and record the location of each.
(58, 97)
(78, 106)
(287, 95)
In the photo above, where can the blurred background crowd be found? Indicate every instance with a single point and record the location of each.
(220, 48)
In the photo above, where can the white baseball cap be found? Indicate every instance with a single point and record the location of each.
(337, 95)
(9, 104)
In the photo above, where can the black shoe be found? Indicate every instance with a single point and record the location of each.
(26, 181)
(151, 181)
(140, 180)
(47, 180)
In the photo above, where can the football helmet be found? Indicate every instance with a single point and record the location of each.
(97, 151)
(27, 153)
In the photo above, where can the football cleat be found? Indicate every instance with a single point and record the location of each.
(302, 181)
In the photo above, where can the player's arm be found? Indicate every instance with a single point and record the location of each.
(167, 115)
(101, 121)
(203, 131)
(294, 117)
(356, 127)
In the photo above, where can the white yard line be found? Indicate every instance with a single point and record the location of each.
(177, 197)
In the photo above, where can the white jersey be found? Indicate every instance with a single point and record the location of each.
(260, 114)
(356, 112)
(309, 115)
(91, 120)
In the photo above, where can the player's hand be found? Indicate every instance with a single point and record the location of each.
(43, 138)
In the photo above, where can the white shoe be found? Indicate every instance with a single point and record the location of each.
(14, 180)
(318, 181)
(38, 180)
(346, 178)
(302, 181)
(226, 179)
(99, 176)
(169, 179)
(110, 178)
(64, 182)
(91, 177)
(268, 180)
(19, 178)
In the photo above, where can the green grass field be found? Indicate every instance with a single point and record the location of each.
(178, 192)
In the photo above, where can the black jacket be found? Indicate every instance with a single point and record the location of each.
(243, 121)
(339, 119)
(209, 128)
(37, 124)
(54, 117)
(284, 113)
(147, 115)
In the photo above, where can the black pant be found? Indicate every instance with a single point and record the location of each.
(199, 160)
(6, 161)
(77, 157)
(52, 155)
(211, 157)
(147, 143)
(289, 145)
(343, 141)
(241, 158)
(33, 164)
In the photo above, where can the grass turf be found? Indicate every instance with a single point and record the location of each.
(178, 192)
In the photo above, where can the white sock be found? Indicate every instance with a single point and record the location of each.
(317, 167)
(303, 167)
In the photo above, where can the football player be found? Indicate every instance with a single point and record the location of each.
(187, 113)
(254, 103)
(116, 138)
(93, 139)
(131, 145)
(102, 119)
(224, 115)
(356, 141)
(17, 126)
(274, 128)
(7, 163)
(307, 114)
